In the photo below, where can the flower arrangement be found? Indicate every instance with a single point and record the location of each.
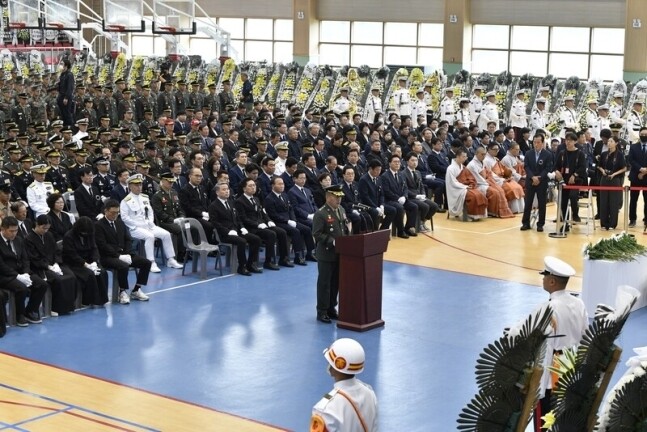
(306, 85)
(120, 66)
(416, 79)
(260, 81)
(228, 70)
(289, 83)
(273, 86)
(213, 69)
(180, 69)
(150, 70)
(237, 85)
(390, 104)
(136, 69)
(319, 101)
(620, 247)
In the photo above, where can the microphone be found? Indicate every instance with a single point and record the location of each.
(360, 207)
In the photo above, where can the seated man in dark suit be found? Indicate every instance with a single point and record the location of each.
(371, 194)
(266, 175)
(279, 209)
(359, 215)
(87, 197)
(231, 230)
(396, 196)
(16, 274)
(237, 171)
(416, 191)
(195, 202)
(115, 243)
(255, 220)
(301, 199)
(291, 165)
(434, 182)
(120, 190)
(309, 166)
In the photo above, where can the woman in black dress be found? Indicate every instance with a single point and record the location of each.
(81, 254)
(60, 221)
(612, 169)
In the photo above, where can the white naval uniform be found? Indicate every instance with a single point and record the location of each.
(476, 105)
(335, 413)
(634, 123)
(593, 123)
(402, 102)
(37, 193)
(448, 110)
(419, 107)
(518, 114)
(489, 113)
(463, 115)
(537, 121)
(342, 104)
(569, 321)
(137, 214)
(615, 113)
(373, 106)
(569, 120)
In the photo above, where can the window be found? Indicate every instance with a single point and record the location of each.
(367, 32)
(529, 38)
(259, 29)
(400, 55)
(606, 67)
(283, 29)
(608, 40)
(334, 31)
(490, 36)
(235, 26)
(431, 57)
(565, 65)
(400, 33)
(258, 51)
(283, 52)
(522, 62)
(366, 55)
(208, 48)
(570, 39)
(430, 35)
(489, 61)
(334, 55)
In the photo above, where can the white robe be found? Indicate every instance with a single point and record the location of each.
(457, 191)
(516, 205)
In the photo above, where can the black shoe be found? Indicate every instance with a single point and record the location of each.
(442, 210)
(254, 269)
(596, 217)
(412, 232)
(311, 258)
(22, 321)
(632, 224)
(285, 263)
(33, 317)
(332, 314)
(577, 219)
(403, 235)
(323, 318)
(568, 228)
(540, 229)
(271, 266)
(525, 227)
(243, 271)
(300, 261)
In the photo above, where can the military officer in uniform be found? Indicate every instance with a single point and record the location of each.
(108, 106)
(489, 112)
(328, 223)
(196, 98)
(104, 181)
(137, 214)
(603, 121)
(149, 186)
(616, 109)
(167, 210)
(145, 102)
(476, 103)
(419, 107)
(567, 116)
(57, 175)
(351, 406)
(635, 120)
(402, 99)
(538, 116)
(23, 178)
(88, 112)
(80, 162)
(226, 97)
(13, 165)
(342, 103)
(448, 106)
(21, 113)
(181, 97)
(39, 190)
(373, 105)
(166, 101)
(518, 117)
(147, 124)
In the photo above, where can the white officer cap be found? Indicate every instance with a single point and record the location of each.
(618, 95)
(420, 90)
(464, 99)
(137, 178)
(545, 88)
(490, 93)
(402, 78)
(640, 98)
(82, 121)
(520, 91)
(557, 267)
(478, 87)
(449, 89)
(603, 107)
(343, 89)
(592, 100)
(39, 169)
(540, 100)
(375, 87)
(569, 98)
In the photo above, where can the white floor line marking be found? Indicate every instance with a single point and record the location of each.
(189, 284)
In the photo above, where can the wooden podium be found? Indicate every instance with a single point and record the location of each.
(360, 280)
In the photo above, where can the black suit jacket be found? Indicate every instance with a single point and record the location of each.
(371, 194)
(118, 192)
(637, 160)
(41, 252)
(109, 243)
(250, 215)
(193, 202)
(438, 164)
(539, 167)
(12, 264)
(29, 224)
(351, 196)
(303, 205)
(413, 182)
(393, 188)
(278, 209)
(88, 204)
(224, 220)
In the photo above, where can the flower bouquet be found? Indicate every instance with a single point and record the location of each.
(319, 97)
(620, 247)
(260, 81)
(304, 89)
(272, 89)
(212, 71)
(136, 70)
(288, 84)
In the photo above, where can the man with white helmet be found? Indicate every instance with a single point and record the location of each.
(137, 214)
(351, 406)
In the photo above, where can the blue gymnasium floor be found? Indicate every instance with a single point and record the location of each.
(251, 346)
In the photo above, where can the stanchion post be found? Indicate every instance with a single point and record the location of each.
(559, 233)
(626, 205)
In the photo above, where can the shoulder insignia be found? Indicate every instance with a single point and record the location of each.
(18, 173)
(128, 198)
(144, 195)
(317, 424)
(32, 185)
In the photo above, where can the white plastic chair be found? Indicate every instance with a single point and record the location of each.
(202, 249)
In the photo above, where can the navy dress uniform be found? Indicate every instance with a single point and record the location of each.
(57, 175)
(351, 406)
(328, 223)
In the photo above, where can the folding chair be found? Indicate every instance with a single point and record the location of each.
(202, 249)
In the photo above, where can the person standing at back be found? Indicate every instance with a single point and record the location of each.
(538, 163)
(65, 99)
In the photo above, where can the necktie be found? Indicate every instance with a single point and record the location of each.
(537, 157)
(644, 148)
(374, 180)
(227, 206)
(9, 245)
(23, 230)
(112, 225)
(304, 193)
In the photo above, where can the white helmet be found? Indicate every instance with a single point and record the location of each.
(346, 356)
